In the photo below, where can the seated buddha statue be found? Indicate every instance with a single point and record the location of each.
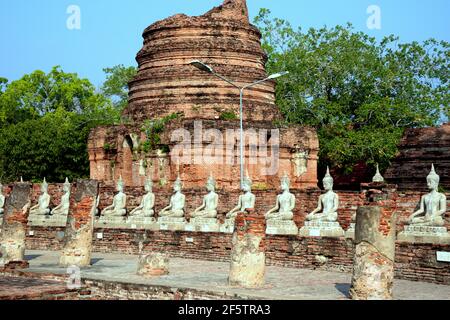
(285, 205)
(433, 205)
(328, 204)
(118, 207)
(42, 207)
(246, 200)
(145, 209)
(208, 209)
(63, 207)
(177, 202)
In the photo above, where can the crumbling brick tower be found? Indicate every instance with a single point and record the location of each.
(167, 84)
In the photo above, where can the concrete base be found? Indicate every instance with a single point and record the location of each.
(47, 221)
(350, 233)
(146, 223)
(111, 222)
(203, 225)
(425, 234)
(227, 227)
(321, 229)
(281, 227)
(12, 251)
(171, 224)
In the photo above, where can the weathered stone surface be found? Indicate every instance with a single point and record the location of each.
(425, 234)
(80, 225)
(248, 259)
(373, 264)
(419, 149)
(12, 241)
(282, 227)
(153, 265)
(321, 229)
(203, 225)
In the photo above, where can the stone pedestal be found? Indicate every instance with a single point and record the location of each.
(321, 229)
(282, 227)
(171, 224)
(375, 229)
(247, 267)
(153, 265)
(227, 226)
(146, 223)
(80, 225)
(203, 225)
(47, 221)
(350, 233)
(15, 219)
(373, 264)
(111, 222)
(425, 234)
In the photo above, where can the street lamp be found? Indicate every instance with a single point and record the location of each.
(206, 68)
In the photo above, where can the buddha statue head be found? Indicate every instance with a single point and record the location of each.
(148, 186)
(285, 182)
(177, 185)
(66, 186)
(328, 181)
(120, 184)
(44, 186)
(433, 179)
(247, 184)
(211, 183)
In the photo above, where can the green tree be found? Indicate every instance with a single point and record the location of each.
(45, 120)
(360, 94)
(116, 84)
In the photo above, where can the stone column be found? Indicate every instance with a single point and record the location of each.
(248, 258)
(80, 225)
(12, 244)
(373, 263)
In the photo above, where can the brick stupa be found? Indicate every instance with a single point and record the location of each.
(166, 83)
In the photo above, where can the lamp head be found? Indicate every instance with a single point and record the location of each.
(202, 66)
(277, 75)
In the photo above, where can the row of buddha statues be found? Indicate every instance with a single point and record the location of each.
(431, 212)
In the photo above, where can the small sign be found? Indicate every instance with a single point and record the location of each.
(31, 233)
(443, 256)
(191, 240)
(99, 235)
(314, 233)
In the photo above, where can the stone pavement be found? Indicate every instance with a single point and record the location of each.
(16, 288)
(281, 283)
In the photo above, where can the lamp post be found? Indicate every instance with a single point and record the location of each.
(206, 68)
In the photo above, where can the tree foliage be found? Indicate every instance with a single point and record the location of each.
(360, 94)
(45, 121)
(116, 84)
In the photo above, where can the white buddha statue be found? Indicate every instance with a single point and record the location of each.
(177, 202)
(63, 208)
(208, 209)
(118, 207)
(285, 205)
(328, 205)
(145, 209)
(246, 201)
(42, 209)
(432, 205)
(2, 200)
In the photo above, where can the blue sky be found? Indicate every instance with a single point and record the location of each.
(34, 35)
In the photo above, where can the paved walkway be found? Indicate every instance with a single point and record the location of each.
(282, 283)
